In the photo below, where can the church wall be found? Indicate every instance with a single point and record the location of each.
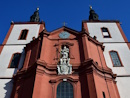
(84, 87)
(91, 86)
(114, 93)
(46, 83)
(23, 85)
(37, 85)
(123, 86)
(42, 87)
(118, 38)
(5, 58)
(121, 48)
(14, 36)
(46, 88)
(9, 50)
(102, 58)
(49, 54)
(78, 90)
(27, 86)
(33, 48)
(48, 51)
(94, 53)
(94, 29)
(100, 86)
(13, 47)
(124, 54)
(6, 86)
(105, 85)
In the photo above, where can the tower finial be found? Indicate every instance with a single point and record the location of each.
(92, 14)
(37, 8)
(90, 7)
(35, 17)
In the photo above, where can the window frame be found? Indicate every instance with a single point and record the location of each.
(9, 66)
(61, 82)
(108, 32)
(118, 58)
(21, 34)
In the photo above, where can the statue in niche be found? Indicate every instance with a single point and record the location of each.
(64, 67)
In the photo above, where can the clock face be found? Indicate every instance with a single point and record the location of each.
(64, 35)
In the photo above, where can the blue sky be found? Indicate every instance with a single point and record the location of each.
(55, 12)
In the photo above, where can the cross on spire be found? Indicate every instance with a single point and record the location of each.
(64, 23)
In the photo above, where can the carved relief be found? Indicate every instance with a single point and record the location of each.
(64, 67)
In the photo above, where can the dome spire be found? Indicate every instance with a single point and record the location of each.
(92, 14)
(35, 17)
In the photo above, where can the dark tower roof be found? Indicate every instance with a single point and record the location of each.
(35, 17)
(92, 14)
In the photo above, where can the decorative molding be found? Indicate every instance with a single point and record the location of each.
(61, 79)
(65, 43)
(123, 75)
(117, 21)
(28, 23)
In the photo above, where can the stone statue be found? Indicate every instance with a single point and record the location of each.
(64, 67)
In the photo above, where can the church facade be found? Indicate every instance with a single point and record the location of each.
(65, 63)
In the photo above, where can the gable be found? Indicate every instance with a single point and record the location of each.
(63, 33)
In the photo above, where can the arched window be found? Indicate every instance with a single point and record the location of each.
(105, 32)
(65, 90)
(15, 60)
(23, 34)
(115, 59)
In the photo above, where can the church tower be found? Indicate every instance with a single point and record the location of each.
(65, 63)
(116, 51)
(12, 51)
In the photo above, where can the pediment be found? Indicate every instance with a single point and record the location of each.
(63, 33)
(73, 34)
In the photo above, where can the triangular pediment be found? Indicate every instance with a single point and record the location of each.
(63, 33)
(71, 34)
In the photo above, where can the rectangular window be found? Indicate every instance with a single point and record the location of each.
(103, 93)
(23, 35)
(105, 33)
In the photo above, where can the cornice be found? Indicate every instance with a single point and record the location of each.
(81, 34)
(15, 23)
(33, 42)
(91, 65)
(61, 78)
(94, 40)
(84, 21)
(42, 67)
(64, 28)
(25, 73)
